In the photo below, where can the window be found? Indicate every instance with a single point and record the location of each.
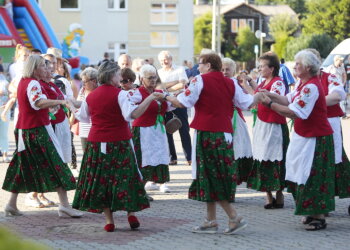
(164, 13)
(69, 4)
(234, 25)
(237, 24)
(115, 49)
(117, 4)
(164, 39)
(251, 24)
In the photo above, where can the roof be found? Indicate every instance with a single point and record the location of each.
(267, 10)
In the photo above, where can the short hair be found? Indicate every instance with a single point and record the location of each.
(90, 73)
(125, 55)
(31, 64)
(147, 68)
(315, 52)
(137, 64)
(272, 61)
(165, 53)
(309, 59)
(36, 51)
(128, 74)
(106, 54)
(230, 63)
(213, 59)
(106, 71)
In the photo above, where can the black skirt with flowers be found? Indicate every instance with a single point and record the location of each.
(38, 168)
(110, 180)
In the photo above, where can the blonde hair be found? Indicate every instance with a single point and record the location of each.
(32, 63)
(230, 63)
(19, 50)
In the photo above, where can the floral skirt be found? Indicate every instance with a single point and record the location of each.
(38, 168)
(244, 166)
(342, 177)
(216, 169)
(110, 180)
(317, 195)
(157, 174)
(267, 176)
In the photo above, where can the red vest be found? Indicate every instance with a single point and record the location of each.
(335, 110)
(214, 108)
(55, 94)
(317, 123)
(266, 114)
(150, 116)
(108, 123)
(28, 117)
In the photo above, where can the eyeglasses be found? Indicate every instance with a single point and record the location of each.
(124, 81)
(202, 63)
(152, 78)
(86, 81)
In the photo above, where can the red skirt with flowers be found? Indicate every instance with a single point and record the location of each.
(268, 176)
(342, 177)
(38, 168)
(317, 195)
(216, 169)
(110, 180)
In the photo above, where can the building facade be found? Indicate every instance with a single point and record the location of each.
(139, 28)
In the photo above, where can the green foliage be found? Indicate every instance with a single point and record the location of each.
(10, 241)
(282, 27)
(202, 31)
(323, 43)
(297, 5)
(245, 50)
(328, 16)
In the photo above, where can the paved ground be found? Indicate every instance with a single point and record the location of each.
(167, 224)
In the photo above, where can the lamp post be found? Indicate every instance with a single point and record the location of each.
(213, 24)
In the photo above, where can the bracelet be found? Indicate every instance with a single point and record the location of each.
(270, 103)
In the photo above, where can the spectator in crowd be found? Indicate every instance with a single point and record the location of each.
(136, 66)
(174, 79)
(35, 52)
(286, 75)
(105, 59)
(127, 79)
(124, 61)
(4, 124)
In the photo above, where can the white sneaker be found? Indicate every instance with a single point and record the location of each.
(164, 188)
(151, 186)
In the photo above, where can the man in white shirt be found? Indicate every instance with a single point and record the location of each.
(174, 80)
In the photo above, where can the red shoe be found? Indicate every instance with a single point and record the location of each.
(109, 227)
(133, 221)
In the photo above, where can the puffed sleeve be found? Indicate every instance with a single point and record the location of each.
(126, 105)
(34, 93)
(278, 88)
(241, 99)
(192, 93)
(304, 103)
(335, 85)
(82, 114)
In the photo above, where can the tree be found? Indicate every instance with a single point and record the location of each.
(328, 16)
(323, 43)
(282, 27)
(202, 31)
(244, 51)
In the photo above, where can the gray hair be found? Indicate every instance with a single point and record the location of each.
(165, 53)
(230, 63)
(32, 63)
(106, 71)
(90, 73)
(309, 59)
(147, 68)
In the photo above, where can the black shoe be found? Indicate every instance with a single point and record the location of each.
(270, 205)
(349, 210)
(0, 153)
(173, 162)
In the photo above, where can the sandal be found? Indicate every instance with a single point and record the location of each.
(316, 224)
(31, 201)
(46, 201)
(307, 220)
(270, 205)
(239, 225)
(208, 227)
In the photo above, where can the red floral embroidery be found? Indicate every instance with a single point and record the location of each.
(34, 89)
(187, 92)
(278, 83)
(301, 103)
(131, 93)
(306, 90)
(35, 98)
(194, 80)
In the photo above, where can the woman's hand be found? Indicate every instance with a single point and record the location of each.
(265, 99)
(157, 96)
